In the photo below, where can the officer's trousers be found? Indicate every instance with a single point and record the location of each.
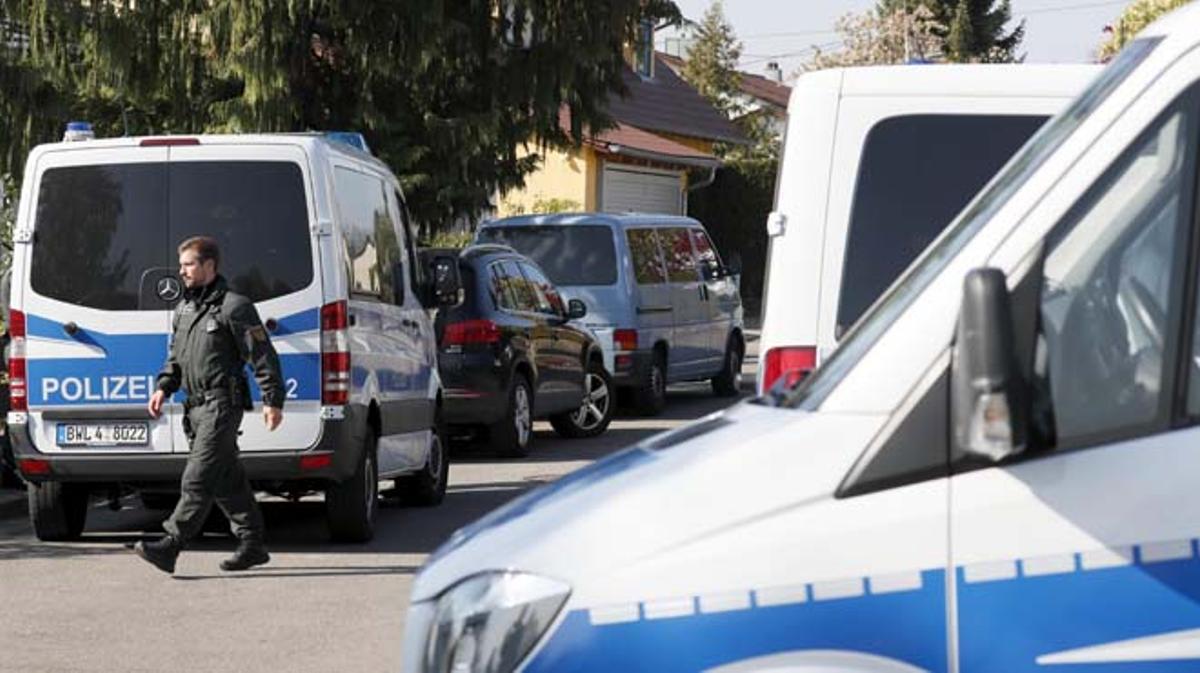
(214, 474)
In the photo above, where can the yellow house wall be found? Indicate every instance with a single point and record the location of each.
(562, 176)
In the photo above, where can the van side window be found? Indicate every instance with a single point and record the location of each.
(1112, 293)
(415, 274)
(677, 253)
(647, 265)
(549, 302)
(368, 233)
(706, 256)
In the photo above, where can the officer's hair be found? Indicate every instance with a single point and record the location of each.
(205, 247)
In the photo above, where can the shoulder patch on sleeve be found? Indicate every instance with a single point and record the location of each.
(258, 332)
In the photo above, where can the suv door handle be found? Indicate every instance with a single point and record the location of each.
(411, 324)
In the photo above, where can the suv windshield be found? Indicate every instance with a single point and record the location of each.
(130, 217)
(812, 392)
(570, 254)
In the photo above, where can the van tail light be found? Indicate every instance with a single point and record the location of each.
(335, 354)
(792, 363)
(625, 340)
(468, 332)
(17, 383)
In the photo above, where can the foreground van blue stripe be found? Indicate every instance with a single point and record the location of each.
(1141, 616)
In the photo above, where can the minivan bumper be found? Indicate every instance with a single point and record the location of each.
(341, 440)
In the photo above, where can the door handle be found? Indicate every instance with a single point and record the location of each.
(411, 325)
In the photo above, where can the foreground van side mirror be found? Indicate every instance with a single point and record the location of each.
(576, 309)
(445, 282)
(988, 395)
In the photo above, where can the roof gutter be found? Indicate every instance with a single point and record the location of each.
(691, 162)
(712, 177)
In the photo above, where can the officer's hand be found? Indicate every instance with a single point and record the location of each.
(272, 417)
(154, 406)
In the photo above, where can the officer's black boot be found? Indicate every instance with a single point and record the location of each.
(248, 555)
(161, 552)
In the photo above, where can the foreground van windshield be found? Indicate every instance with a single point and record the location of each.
(571, 254)
(130, 217)
(812, 392)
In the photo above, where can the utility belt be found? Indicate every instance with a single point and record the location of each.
(237, 393)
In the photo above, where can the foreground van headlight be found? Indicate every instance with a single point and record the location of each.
(487, 623)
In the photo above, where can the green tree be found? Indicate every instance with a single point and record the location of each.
(974, 30)
(445, 92)
(1136, 16)
(711, 65)
(884, 38)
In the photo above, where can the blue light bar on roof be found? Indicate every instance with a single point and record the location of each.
(351, 138)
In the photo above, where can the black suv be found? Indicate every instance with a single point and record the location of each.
(508, 354)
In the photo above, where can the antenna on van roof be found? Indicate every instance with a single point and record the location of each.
(352, 138)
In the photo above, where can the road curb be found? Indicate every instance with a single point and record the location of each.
(13, 504)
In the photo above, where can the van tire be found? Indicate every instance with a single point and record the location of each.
(506, 436)
(427, 487)
(577, 425)
(58, 511)
(728, 382)
(650, 398)
(351, 505)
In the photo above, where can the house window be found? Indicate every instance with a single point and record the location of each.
(643, 60)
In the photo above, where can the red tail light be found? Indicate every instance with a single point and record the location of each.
(33, 466)
(169, 142)
(625, 340)
(316, 461)
(17, 389)
(794, 362)
(335, 354)
(471, 332)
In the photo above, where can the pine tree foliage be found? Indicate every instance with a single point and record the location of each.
(444, 90)
(884, 38)
(974, 30)
(712, 58)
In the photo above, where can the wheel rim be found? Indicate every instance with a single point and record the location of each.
(595, 404)
(371, 485)
(521, 415)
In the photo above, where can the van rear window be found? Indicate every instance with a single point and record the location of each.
(570, 255)
(103, 232)
(916, 173)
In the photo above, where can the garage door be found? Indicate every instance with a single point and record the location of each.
(641, 191)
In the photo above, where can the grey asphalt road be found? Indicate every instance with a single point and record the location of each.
(92, 606)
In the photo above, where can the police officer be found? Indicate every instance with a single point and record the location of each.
(216, 332)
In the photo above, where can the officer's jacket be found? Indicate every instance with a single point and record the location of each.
(217, 331)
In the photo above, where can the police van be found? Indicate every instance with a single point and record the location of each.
(877, 161)
(995, 471)
(311, 229)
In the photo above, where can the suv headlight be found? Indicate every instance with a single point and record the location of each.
(486, 623)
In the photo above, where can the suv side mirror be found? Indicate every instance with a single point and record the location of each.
(446, 282)
(988, 396)
(576, 309)
(733, 266)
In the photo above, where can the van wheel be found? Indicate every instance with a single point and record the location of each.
(57, 511)
(651, 398)
(350, 506)
(512, 436)
(728, 382)
(596, 412)
(428, 487)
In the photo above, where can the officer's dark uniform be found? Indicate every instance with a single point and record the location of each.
(216, 332)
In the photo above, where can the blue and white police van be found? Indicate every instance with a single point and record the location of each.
(997, 470)
(313, 230)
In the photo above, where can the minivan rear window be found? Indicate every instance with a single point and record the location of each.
(916, 173)
(127, 219)
(570, 255)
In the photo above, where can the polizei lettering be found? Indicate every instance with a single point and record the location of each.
(96, 389)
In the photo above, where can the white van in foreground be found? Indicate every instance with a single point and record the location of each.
(315, 232)
(877, 161)
(998, 479)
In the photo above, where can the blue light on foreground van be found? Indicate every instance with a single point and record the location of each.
(351, 138)
(78, 130)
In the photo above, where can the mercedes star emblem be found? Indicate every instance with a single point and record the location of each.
(168, 289)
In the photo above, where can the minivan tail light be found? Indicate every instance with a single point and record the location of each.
(625, 340)
(17, 389)
(792, 362)
(471, 332)
(335, 353)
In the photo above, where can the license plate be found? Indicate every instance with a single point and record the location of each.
(103, 434)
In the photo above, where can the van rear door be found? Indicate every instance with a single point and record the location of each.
(95, 285)
(256, 200)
